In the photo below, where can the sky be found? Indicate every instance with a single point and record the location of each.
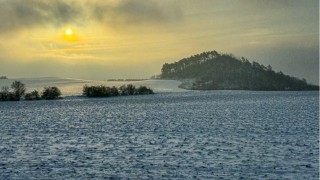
(134, 38)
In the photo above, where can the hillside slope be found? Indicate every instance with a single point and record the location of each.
(215, 71)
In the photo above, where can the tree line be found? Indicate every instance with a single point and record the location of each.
(214, 71)
(17, 91)
(124, 90)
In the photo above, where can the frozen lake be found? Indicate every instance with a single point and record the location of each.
(191, 134)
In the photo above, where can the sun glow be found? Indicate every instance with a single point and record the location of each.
(69, 34)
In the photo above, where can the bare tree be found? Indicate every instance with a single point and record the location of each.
(19, 89)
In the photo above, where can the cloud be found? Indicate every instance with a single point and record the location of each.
(129, 12)
(267, 5)
(21, 14)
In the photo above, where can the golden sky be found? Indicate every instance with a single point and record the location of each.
(133, 38)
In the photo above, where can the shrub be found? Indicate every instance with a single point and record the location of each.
(114, 91)
(86, 90)
(123, 90)
(50, 93)
(34, 95)
(19, 89)
(144, 90)
(96, 91)
(6, 95)
(131, 89)
(127, 89)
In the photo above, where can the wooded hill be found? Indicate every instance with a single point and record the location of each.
(215, 71)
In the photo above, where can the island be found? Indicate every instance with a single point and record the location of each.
(217, 71)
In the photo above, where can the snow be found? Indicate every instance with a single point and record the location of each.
(179, 134)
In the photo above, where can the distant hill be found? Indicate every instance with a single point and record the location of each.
(215, 71)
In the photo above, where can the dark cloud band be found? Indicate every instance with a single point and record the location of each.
(20, 14)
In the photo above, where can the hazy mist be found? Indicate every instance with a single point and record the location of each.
(133, 38)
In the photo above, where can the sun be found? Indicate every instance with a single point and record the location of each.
(68, 32)
(70, 35)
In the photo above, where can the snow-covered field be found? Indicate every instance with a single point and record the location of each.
(71, 87)
(172, 134)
